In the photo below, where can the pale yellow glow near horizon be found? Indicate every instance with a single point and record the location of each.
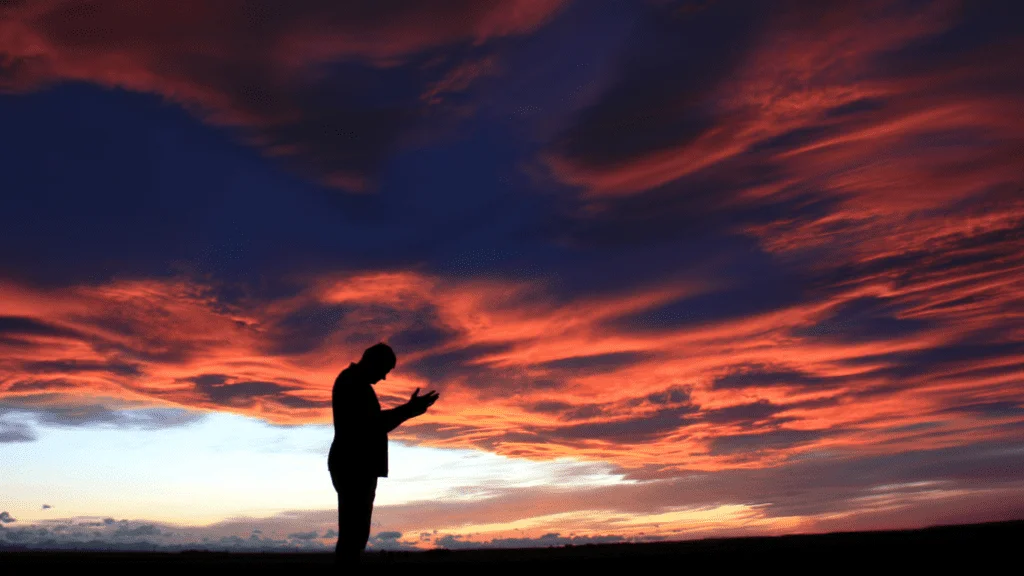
(228, 466)
(693, 521)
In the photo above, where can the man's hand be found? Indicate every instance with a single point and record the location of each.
(419, 404)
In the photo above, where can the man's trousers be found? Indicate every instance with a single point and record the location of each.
(355, 506)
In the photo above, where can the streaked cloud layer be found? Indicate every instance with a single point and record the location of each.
(762, 262)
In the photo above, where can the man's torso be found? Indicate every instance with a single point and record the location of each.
(360, 446)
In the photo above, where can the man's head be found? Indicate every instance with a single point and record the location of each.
(377, 361)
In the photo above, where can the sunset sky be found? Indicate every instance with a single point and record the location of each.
(677, 269)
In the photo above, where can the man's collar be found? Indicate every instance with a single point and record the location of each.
(357, 373)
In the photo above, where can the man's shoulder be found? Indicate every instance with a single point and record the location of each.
(349, 375)
(351, 384)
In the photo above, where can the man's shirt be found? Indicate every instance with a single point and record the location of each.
(360, 446)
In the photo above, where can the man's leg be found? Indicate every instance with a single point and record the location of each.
(355, 508)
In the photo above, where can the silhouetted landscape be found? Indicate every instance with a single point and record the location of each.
(977, 545)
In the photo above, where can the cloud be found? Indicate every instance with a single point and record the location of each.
(142, 530)
(458, 79)
(760, 376)
(73, 366)
(62, 410)
(992, 409)
(551, 539)
(127, 535)
(20, 325)
(390, 541)
(217, 391)
(595, 363)
(306, 329)
(19, 415)
(304, 80)
(752, 412)
(753, 443)
(641, 428)
(6, 518)
(774, 291)
(15, 432)
(528, 374)
(864, 319)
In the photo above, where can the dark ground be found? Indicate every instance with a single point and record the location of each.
(993, 548)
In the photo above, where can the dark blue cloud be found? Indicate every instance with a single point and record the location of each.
(549, 407)
(20, 414)
(306, 329)
(455, 363)
(861, 106)
(585, 412)
(640, 428)
(754, 443)
(672, 395)
(749, 413)
(963, 357)
(11, 432)
(420, 335)
(755, 284)
(660, 98)
(986, 30)
(757, 376)
(23, 325)
(78, 366)
(865, 318)
(40, 384)
(1002, 409)
(215, 388)
(596, 363)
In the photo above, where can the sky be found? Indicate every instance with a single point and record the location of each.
(678, 269)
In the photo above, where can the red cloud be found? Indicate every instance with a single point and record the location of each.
(810, 62)
(913, 170)
(528, 376)
(458, 79)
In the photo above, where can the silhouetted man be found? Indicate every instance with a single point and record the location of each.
(359, 453)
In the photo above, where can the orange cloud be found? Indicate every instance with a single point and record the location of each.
(525, 375)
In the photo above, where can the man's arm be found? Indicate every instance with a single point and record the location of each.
(392, 418)
(417, 405)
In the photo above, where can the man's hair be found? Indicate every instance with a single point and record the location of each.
(379, 355)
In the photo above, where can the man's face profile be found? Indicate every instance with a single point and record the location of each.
(376, 373)
(379, 375)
